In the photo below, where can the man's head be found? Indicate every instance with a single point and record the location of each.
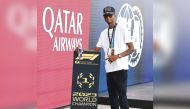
(108, 10)
(109, 14)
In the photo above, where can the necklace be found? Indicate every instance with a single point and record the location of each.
(111, 40)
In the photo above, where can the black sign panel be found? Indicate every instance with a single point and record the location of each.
(85, 81)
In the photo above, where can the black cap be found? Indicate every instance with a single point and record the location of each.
(108, 10)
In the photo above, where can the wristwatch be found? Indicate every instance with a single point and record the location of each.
(119, 56)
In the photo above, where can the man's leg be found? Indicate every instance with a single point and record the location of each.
(113, 96)
(121, 84)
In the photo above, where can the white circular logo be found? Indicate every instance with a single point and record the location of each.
(132, 18)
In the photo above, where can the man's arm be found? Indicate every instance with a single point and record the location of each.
(128, 51)
(123, 54)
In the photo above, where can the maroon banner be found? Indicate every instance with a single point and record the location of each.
(63, 25)
(18, 34)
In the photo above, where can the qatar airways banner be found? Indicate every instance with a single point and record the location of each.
(63, 25)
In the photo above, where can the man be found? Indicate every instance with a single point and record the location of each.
(117, 45)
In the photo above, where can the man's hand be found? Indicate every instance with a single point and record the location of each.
(76, 50)
(97, 49)
(112, 58)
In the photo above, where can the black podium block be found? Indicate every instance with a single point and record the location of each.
(85, 81)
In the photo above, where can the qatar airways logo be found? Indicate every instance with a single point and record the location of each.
(64, 27)
(132, 18)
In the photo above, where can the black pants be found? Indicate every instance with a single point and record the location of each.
(117, 83)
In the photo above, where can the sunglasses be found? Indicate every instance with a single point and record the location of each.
(108, 15)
